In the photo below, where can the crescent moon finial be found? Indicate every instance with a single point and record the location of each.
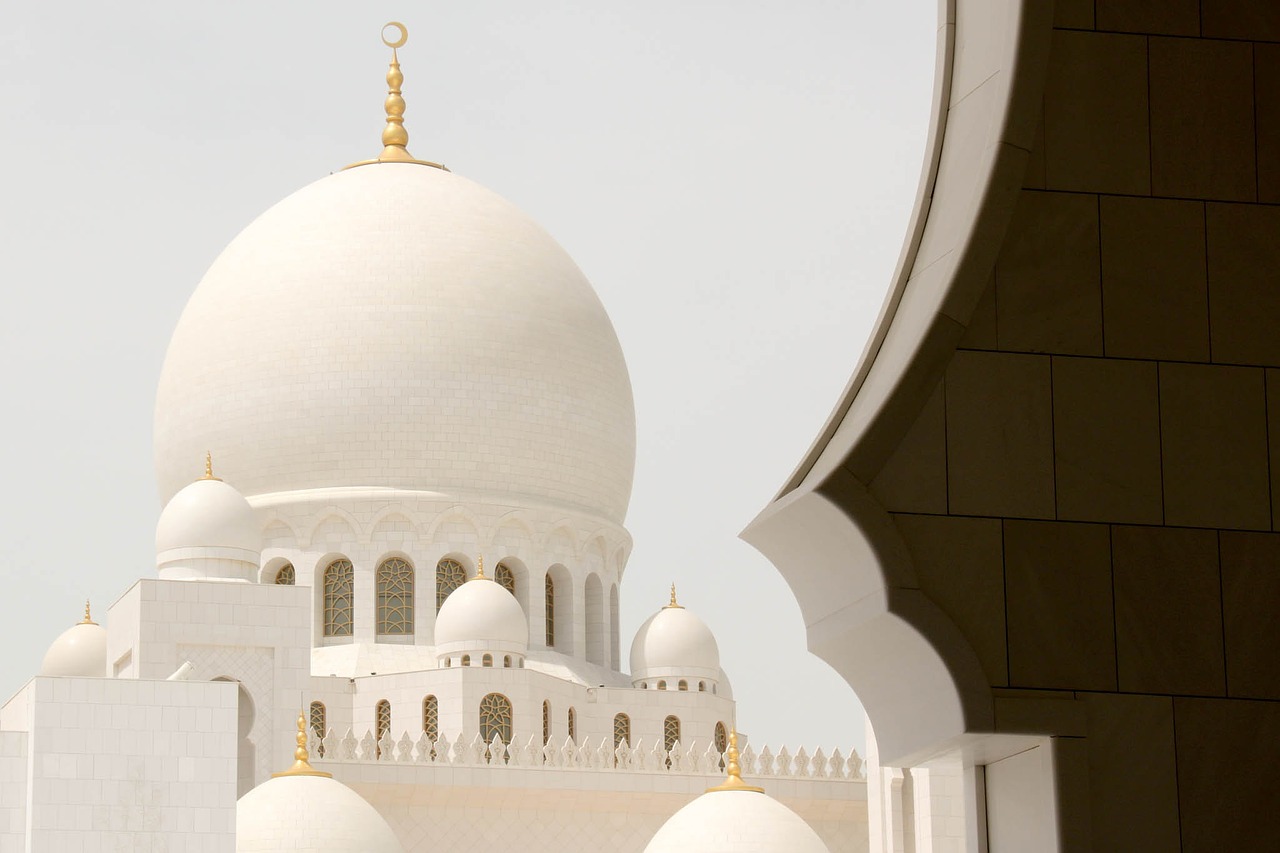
(401, 28)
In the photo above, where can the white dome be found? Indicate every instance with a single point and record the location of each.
(79, 650)
(207, 530)
(480, 615)
(674, 643)
(311, 813)
(735, 822)
(396, 325)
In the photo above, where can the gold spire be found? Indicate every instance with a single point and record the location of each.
(479, 568)
(88, 620)
(301, 765)
(395, 139)
(208, 467)
(673, 602)
(734, 780)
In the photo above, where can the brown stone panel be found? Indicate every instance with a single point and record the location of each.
(1244, 282)
(960, 566)
(1155, 299)
(999, 435)
(981, 331)
(1156, 17)
(915, 477)
(1250, 594)
(1214, 446)
(1241, 19)
(1273, 442)
(1132, 772)
(1202, 140)
(1266, 93)
(1228, 750)
(1048, 295)
(1106, 419)
(1168, 611)
(1095, 114)
(1058, 594)
(1073, 14)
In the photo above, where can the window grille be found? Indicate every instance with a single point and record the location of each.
(670, 732)
(505, 578)
(549, 596)
(339, 589)
(546, 722)
(395, 598)
(431, 718)
(621, 730)
(382, 721)
(573, 725)
(286, 576)
(487, 660)
(319, 725)
(495, 718)
(449, 576)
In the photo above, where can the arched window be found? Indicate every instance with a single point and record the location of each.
(573, 725)
(546, 721)
(670, 732)
(722, 739)
(395, 598)
(495, 718)
(684, 685)
(487, 660)
(449, 576)
(506, 661)
(621, 729)
(505, 578)
(549, 600)
(339, 591)
(382, 721)
(466, 660)
(431, 718)
(702, 687)
(286, 576)
(662, 685)
(318, 725)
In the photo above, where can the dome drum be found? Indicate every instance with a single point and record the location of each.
(229, 564)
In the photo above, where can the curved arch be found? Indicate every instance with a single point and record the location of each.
(621, 729)
(271, 568)
(615, 631)
(558, 609)
(573, 724)
(562, 538)
(670, 732)
(390, 518)
(594, 617)
(431, 717)
(838, 549)
(318, 723)
(381, 722)
(457, 512)
(452, 571)
(278, 533)
(246, 751)
(393, 597)
(546, 721)
(333, 523)
(495, 718)
(337, 598)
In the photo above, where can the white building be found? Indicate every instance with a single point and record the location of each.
(424, 441)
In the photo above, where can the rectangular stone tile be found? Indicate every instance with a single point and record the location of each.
(960, 565)
(981, 331)
(1214, 446)
(915, 477)
(1273, 442)
(1257, 20)
(1155, 301)
(1250, 592)
(1058, 594)
(1106, 417)
(999, 435)
(1244, 282)
(1223, 802)
(1073, 14)
(1095, 114)
(1131, 738)
(1155, 17)
(1202, 143)
(1168, 611)
(1266, 94)
(1048, 294)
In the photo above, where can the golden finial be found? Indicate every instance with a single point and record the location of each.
(208, 467)
(88, 620)
(673, 602)
(480, 567)
(734, 780)
(395, 139)
(301, 764)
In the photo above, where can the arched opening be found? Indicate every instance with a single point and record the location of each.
(450, 574)
(466, 660)
(285, 575)
(319, 724)
(662, 684)
(506, 661)
(381, 722)
(559, 610)
(670, 734)
(621, 729)
(487, 660)
(513, 576)
(593, 602)
(684, 685)
(546, 722)
(495, 718)
(722, 740)
(431, 718)
(549, 609)
(339, 598)
(573, 725)
(394, 599)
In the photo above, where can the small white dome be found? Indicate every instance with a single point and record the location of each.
(79, 650)
(480, 615)
(674, 643)
(311, 813)
(735, 822)
(208, 530)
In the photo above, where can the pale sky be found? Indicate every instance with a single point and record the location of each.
(734, 179)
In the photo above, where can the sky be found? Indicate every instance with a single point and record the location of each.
(735, 180)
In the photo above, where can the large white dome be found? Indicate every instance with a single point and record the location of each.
(208, 530)
(674, 643)
(396, 325)
(81, 650)
(481, 616)
(310, 813)
(735, 822)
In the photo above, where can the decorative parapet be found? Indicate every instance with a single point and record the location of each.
(695, 759)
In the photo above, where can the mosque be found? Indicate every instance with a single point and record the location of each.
(395, 438)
